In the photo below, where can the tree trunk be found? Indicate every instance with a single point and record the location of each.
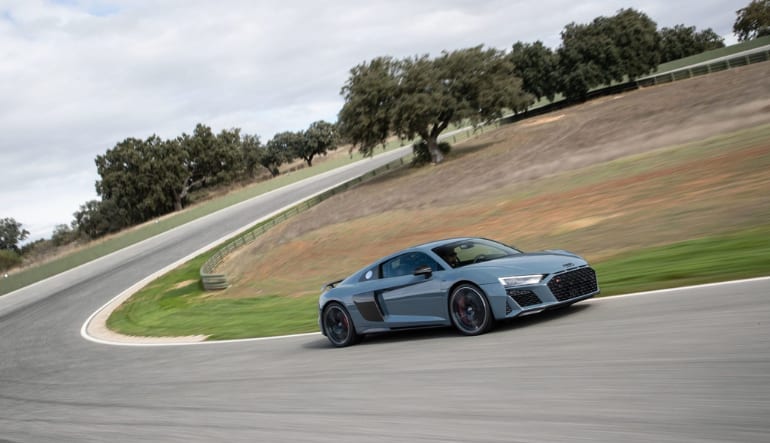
(179, 198)
(436, 156)
(186, 186)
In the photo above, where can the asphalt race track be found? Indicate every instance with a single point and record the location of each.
(688, 365)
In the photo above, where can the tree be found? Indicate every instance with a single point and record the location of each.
(97, 218)
(149, 178)
(251, 151)
(141, 177)
(271, 158)
(752, 21)
(230, 155)
(366, 118)
(286, 144)
(316, 140)
(11, 234)
(537, 66)
(201, 164)
(608, 49)
(636, 37)
(420, 96)
(584, 55)
(683, 41)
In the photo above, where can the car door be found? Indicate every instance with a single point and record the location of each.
(411, 300)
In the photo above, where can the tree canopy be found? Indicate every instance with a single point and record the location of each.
(318, 139)
(370, 95)
(683, 41)
(753, 20)
(420, 96)
(143, 179)
(11, 234)
(606, 50)
(97, 218)
(251, 153)
(537, 66)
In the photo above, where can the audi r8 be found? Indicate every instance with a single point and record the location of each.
(469, 283)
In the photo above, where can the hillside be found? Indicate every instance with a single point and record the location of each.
(547, 183)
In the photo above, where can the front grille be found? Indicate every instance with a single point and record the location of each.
(573, 284)
(524, 297)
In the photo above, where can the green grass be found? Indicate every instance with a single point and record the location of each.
(168, 307)
(163, 309)
(735, 255)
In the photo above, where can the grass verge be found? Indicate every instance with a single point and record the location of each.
(737, 255)
(167, 307)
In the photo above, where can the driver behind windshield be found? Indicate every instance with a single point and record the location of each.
(450, 256)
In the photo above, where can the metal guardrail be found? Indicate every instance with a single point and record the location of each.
(216, 281)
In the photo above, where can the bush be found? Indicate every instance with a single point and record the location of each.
(421, 155)
(8, 259)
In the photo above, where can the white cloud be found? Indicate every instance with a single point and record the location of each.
(77, 76)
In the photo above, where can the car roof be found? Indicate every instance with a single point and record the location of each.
(436, 243)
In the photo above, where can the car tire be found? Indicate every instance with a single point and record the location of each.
(469, 310)
(338, 325)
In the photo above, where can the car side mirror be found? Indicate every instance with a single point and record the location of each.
(427, 271)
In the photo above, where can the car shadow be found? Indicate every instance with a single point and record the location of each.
(443, 332)
(543, 317)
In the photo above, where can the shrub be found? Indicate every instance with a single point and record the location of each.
(421, 155)
(8, 259)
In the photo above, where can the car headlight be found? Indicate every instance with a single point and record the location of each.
(521, 280)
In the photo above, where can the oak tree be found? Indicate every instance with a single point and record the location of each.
(683, 41)
(421, 96)
(753, 20)
(11, 234)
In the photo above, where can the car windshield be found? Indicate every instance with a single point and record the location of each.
(466, 252)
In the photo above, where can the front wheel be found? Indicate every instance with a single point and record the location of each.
(469, 310)
(338, 326)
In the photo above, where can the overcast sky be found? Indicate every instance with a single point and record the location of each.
(78, 76)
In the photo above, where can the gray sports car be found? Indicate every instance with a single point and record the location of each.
(466, 282)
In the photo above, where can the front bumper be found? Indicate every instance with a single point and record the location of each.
(558, 289)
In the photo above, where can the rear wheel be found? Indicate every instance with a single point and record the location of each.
(338, 325)
(469, 310)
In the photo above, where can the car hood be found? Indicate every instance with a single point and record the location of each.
(530, 263)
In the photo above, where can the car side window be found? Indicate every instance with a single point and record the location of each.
(406, 264)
